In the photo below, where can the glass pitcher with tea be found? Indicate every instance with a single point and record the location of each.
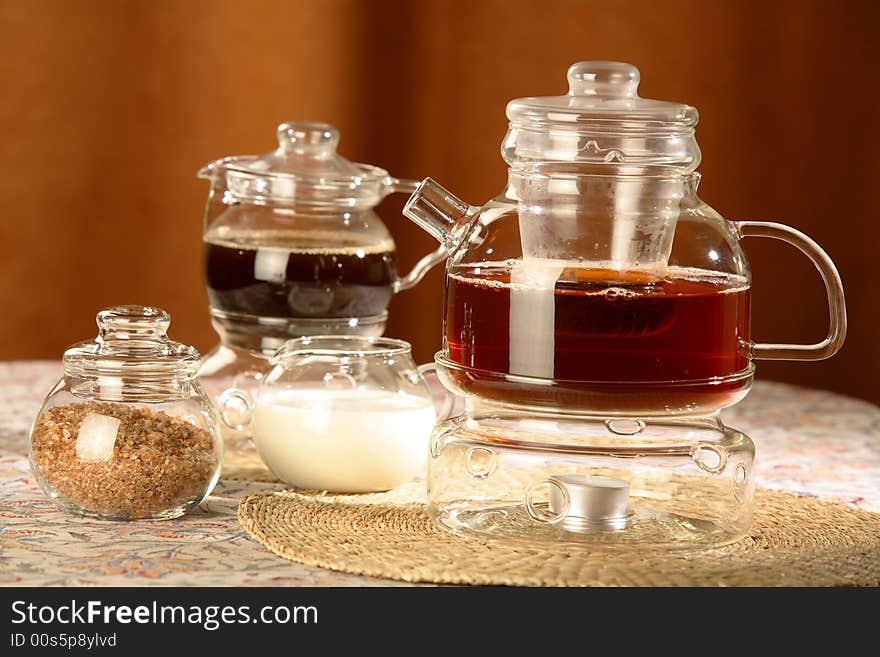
(597, 320)
(293, 247)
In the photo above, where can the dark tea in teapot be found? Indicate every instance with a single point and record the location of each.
(596, 325)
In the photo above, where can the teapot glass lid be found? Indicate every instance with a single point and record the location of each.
(601, 120)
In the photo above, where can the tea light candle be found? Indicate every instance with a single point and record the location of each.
(594, 499)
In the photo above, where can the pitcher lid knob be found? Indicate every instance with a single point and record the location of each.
(308, 137)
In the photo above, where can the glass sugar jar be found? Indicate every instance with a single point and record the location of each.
(127, 433)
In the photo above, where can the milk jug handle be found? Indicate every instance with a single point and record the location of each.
(423, 266)
(236, 408)
(833, 286)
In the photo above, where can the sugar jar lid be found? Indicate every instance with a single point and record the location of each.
(132, 341)
(305, 168)
(602, 120)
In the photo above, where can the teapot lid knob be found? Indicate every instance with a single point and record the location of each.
(308, 137)
(611, 79)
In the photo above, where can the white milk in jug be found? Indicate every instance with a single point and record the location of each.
(344, 441)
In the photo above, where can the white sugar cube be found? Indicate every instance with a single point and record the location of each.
(96, 437)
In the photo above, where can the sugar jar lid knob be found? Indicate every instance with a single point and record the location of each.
(308, 137)
(122, 322)
(612, 79)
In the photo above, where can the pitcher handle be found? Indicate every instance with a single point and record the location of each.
(833, 286)
(423, 266)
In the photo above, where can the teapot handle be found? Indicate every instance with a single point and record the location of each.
(417, 273)
(833, 286)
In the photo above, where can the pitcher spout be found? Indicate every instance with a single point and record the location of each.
(217, 169)
(438, 211)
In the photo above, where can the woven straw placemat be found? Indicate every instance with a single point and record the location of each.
(795, 541)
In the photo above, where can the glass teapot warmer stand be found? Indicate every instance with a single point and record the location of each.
(613, 483)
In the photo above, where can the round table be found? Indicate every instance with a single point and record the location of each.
(810, 442)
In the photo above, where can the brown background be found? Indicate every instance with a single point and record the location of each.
(108, 108)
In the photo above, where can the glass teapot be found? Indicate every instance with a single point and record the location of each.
(293, 247)
(598, 280)
(597, 319)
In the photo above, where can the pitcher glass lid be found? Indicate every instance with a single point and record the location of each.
(305, 168)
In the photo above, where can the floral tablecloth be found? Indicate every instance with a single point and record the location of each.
(809, 442)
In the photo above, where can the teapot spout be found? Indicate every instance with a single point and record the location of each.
(438, 211)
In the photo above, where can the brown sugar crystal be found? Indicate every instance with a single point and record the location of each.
(158, 462)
